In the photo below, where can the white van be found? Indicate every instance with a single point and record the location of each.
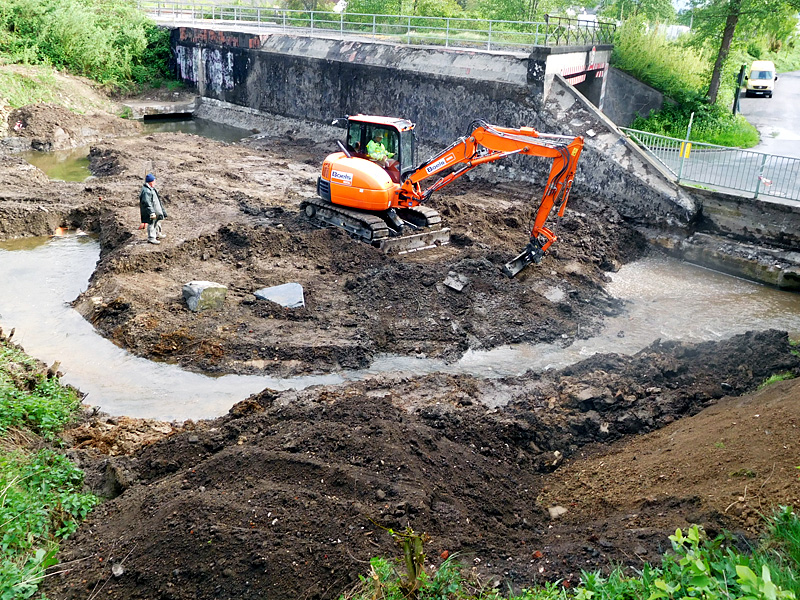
(761, 80)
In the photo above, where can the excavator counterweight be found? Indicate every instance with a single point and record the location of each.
(372, 187)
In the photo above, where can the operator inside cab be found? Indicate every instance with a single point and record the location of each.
(377, 150)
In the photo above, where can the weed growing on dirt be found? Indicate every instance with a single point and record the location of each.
(696, 568)
(41, 497)
(40, 502)
(780, 548)
(28, 399)
(19, 90)
(775, 379)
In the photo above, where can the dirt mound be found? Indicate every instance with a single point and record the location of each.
(290, 494)
(53, 127)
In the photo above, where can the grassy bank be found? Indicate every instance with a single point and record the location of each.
(41, 492)
(697, 567)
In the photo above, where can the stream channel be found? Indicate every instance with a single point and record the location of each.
(665, 299)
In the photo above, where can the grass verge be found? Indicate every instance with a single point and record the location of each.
(41, 492)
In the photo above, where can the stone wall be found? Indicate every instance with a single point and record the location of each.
(755, 220)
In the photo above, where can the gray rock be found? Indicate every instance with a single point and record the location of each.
(556, 512)
(456, 281)
(204, 295)
(289, 295)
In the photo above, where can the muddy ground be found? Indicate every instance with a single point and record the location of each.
(290, 494)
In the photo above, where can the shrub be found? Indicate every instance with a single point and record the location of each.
(40, 404)
(678, 72)
(110, 41)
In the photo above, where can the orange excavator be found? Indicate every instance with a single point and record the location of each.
(371, 188)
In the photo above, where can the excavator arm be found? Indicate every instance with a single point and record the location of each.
(488, 143)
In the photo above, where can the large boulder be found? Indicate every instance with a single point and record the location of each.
(204, 295)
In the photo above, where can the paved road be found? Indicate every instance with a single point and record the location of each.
(777, 119)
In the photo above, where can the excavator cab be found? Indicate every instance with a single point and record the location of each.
(398, 140)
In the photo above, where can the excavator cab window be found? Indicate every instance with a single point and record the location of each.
(389, 138)
(354, 139)
(406, 155)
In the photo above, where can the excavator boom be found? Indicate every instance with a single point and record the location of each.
(488, 143)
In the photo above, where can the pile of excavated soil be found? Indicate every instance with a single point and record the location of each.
(48, 127)
(291, 494)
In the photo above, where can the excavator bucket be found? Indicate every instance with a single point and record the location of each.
(532, 254)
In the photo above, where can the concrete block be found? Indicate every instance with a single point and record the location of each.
(204, 295)
(289, 295)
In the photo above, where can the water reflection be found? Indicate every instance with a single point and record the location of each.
(665, 299)
(61, 165)
(208, 129)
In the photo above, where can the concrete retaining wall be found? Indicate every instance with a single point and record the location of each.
(442, 91)
(753, 220)
(626, 97)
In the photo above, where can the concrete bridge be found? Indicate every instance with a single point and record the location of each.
(553, 89)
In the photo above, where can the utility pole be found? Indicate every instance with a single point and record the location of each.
(739, 82)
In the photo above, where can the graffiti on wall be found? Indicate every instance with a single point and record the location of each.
(208, 68)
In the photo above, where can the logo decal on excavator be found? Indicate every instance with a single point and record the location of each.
(442, 162)
(341, 177)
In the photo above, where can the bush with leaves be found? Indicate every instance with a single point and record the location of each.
(695, 568)
(110, 41)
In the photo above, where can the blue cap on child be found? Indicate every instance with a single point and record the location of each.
(150, 177)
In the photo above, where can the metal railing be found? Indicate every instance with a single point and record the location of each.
(722, 167)
(436, 31)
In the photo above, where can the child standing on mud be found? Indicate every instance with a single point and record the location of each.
(151, 209)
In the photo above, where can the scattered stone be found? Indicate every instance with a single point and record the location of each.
(455, 281)
(556, 512)
(117, 570)
(289, 295)
(204, 295)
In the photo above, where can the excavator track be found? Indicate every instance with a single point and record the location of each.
(425, 223)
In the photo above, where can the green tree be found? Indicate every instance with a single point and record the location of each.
(375, 7)
(509, 10)
(436, 8)
(717, 22)
(654, 11)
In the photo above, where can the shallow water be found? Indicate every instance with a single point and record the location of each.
(667, 299)
(61, 165)
(209, 129)
(42, 276)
